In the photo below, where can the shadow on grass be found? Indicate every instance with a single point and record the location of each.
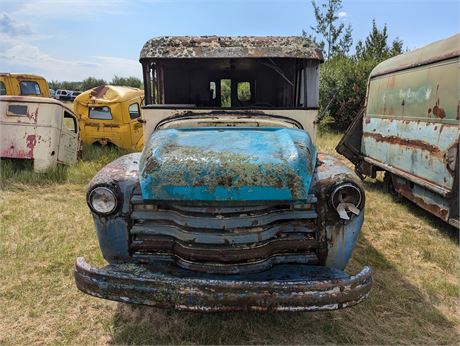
(435, 222)
(395, 312)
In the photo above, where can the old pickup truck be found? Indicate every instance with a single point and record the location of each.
(229, 206)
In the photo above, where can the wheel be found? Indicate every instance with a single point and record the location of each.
(388, 186)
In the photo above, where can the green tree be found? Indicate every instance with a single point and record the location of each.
(54, 84)
(343, 79)
(67, 85)
(91, 82)
(343, 82)
(376, 46)
(127, 81)
(330, 34)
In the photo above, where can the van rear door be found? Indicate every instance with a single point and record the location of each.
(69, 141)
(350, 144)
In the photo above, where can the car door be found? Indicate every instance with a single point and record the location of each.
(69, 142)
(134, 111)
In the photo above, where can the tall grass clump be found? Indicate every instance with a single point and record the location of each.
(20, 172)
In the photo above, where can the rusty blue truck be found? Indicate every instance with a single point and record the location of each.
(229, 207)
(410, 128)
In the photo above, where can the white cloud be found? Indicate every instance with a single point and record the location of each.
(52, 68)
(11, 27)
(73, 9)
(342, 14)
(19, 52)
(119, 66)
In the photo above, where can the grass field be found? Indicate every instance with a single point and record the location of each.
(45, 225)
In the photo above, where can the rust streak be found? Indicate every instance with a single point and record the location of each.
(31, 141)
(405, 190)
(415, 143)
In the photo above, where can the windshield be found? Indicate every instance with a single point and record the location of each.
(232, 83)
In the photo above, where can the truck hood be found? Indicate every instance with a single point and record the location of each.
(227, 164)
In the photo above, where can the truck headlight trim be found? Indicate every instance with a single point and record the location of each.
(102, 200)
(346, 199)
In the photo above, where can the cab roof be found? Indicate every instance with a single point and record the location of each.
(107, 94)
(436, 51)
(35, 99)
(166, 47)
(20, 75)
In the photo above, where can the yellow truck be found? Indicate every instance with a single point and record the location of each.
(20, 84)
(111, 115)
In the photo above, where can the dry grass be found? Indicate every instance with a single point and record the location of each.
(414, 299)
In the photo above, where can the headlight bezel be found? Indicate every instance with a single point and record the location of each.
(355, 198)
(342, 186)
(105, 188)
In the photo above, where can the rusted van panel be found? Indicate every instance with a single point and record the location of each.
(410, 128)
(111, 115)
(38, 129)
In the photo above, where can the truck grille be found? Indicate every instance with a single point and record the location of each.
(228, 240)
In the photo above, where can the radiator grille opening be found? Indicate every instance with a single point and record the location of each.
(238, 239)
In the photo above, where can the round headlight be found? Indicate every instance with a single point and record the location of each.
(102, 200)
(346, 193)
(346, 199)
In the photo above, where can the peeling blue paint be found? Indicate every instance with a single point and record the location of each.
(227, 164)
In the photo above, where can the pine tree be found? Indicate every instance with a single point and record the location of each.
(333, 37)
(376, 47)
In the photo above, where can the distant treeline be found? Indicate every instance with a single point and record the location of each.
(91, 82)
(343, 76)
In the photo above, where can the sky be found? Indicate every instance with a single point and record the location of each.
(74, 39)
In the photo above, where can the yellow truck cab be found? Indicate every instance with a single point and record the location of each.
(111, 115)
(19, 84)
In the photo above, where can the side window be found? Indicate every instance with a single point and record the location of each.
(213, 90)
(302, 88)
(2, 88)
(225, 92)
(243, 90)
(102, 113)
(29, 88)
(18, 110)
(134, 111)
(69, 123)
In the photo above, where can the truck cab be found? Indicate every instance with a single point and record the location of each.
(111, 115)
(20, 84)
(229, 206)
